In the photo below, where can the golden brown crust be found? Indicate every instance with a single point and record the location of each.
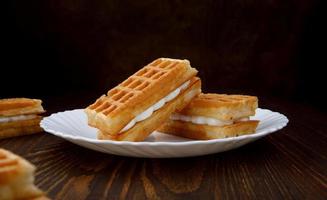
(141, 90)
(20, 106)
(144, 128)
(13, 132)
(206, 132)
(221, 106)
(18, 128)
(17, 177)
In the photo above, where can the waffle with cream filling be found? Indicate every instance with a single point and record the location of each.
(20, 116)
(142, 94)
(211, 116)
(147, 126)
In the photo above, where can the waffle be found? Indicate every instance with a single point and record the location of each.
(19, 116)
(222, 106)
(206, 132)
(212, 116)
(140, 131)
(20, 106)
(16, 178)
(18, 128)
(112, 112)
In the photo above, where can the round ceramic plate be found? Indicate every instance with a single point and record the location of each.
(72, 126)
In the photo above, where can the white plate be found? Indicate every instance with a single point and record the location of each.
(72, 126)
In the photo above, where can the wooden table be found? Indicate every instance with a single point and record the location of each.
(289, 164)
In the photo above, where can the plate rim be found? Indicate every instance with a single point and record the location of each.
(283, 123)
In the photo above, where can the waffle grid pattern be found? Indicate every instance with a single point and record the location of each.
(7, 162)
(133, 86)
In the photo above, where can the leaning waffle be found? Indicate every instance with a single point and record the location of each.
(222, 106)
(112, 112)
(17, 177)
(145, 127)
(211, 116)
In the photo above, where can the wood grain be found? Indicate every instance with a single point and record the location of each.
(289, 164)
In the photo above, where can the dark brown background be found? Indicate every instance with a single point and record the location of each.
(265, 48)
(68, 52)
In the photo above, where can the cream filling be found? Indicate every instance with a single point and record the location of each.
(148, 112)
(205, 120)
(16, 118)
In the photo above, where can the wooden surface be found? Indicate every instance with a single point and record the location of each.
(289, 164)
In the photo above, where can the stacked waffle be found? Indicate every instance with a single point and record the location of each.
(146, 100)
(19, 116)
(17, 177)
(211, 116)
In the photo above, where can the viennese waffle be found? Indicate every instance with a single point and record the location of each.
(17, 178)
(137, 106)
(211, 116)
(19, 116)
